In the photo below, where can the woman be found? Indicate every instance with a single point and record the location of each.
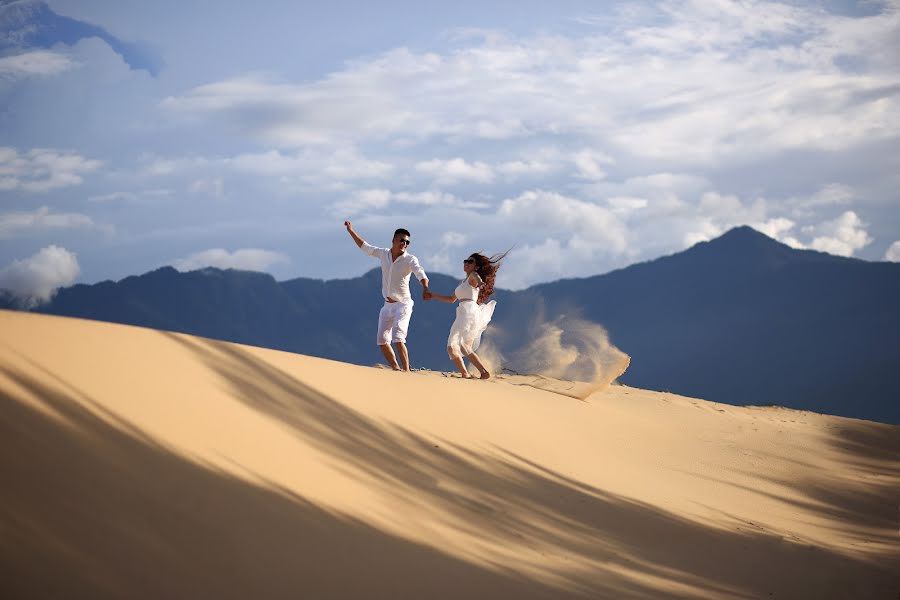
(474, 311)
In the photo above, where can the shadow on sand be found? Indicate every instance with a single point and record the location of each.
(92, 507)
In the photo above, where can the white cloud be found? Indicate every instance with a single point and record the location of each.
(35, 63)
(456, 169)
(525, 168)
(776, 228)
(42, 169)
(114, 197)
(42, 220)
(567, 237)
(341, 163)
(623, 206)
(893, 252)
(560, 237)
(710, 82)
(563, 236)
(247, 259)
(659, 124)
(702, 230)
(158, 166)
(130, 197)
(842, 236)
(361, 201)
(452, 239)
(706, 228)
(717, 213)
(212, 186)
(663, 194)
(588, 163)
(550, 256)
(320, 170)
(35, 279)
(832, 194)
(442, 261)
(694, 25)
(716, 204)
(438, 198)
(668, 212)
(551, 212)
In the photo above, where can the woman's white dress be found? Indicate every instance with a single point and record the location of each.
(471, 320)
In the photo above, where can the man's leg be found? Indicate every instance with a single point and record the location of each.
(390, 358)
(398, 335)
(404, 355)
(386, 320)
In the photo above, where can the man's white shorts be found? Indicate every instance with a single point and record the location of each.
(393, 322)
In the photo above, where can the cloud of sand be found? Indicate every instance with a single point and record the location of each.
(569, 349)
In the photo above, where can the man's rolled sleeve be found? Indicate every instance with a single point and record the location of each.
(368, 248)
(417, 269)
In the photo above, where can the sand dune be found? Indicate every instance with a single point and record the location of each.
(143, 464)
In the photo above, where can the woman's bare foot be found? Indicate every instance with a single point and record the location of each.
(485, 375)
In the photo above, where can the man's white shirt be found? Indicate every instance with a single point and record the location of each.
(395, 273)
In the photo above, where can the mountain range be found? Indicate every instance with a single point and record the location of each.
(28, 24)
(741, 319)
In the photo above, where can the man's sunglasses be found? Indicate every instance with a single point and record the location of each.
(405, 242)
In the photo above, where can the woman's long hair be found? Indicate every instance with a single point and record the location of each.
(487, 268)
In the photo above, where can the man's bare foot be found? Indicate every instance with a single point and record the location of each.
(485, 375)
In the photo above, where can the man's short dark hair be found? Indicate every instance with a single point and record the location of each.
(402, 231)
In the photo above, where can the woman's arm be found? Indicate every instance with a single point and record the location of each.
(448, 299)
(475, 279)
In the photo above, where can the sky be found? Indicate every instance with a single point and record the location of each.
(585, 135)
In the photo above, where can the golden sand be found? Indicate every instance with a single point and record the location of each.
(144, 464)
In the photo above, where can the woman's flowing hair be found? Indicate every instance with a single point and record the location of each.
(487, 268)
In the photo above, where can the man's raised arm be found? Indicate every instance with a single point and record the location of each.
(359, 241)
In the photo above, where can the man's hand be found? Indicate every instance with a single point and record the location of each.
(356, 238)
(426, 294)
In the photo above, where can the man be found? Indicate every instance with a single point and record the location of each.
(396, 266)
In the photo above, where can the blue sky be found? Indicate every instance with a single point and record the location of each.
(591, 135)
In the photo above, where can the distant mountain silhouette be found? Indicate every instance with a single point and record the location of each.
(27, 24)
(744, 319)
(332, 319)
(741, 319)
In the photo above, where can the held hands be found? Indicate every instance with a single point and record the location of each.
(426, 294)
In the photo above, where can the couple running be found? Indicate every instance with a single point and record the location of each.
(472, 315)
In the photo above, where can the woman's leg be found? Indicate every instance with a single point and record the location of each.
(458, 361)
(485, 374)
